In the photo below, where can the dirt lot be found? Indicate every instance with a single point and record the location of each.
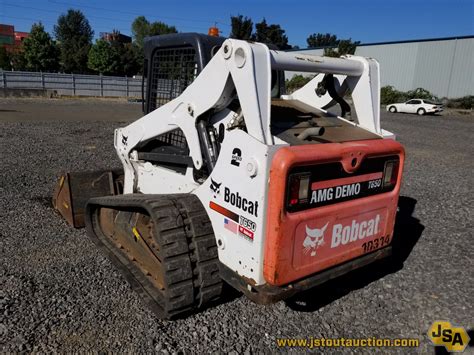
(58, 293)
(67, 110)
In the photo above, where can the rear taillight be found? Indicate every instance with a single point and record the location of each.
(390, 173)
(298, 188)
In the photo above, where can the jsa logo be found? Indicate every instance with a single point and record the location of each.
(452, 338)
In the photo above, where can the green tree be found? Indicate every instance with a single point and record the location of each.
(74, 35)
(345, 46)
(132, 59)
(113, 57)
(321, 40)
(101, 57)
(297, 82)
(142, 28)
(271, 34)
(18, 59)
(5, 59)
(40, 51)
(242, 27)
(390, 95)
(161, 28)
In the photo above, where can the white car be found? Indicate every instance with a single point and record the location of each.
(418, 106)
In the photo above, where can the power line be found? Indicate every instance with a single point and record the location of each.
(48, 22)
(138, 14)
(101, 28)
(56, 12)
(53, 23)
(91, 16)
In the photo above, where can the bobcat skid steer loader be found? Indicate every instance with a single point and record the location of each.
(228, 180)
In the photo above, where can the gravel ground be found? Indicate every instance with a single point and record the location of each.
(58, 293)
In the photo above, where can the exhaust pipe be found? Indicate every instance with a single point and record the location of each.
(311, 132)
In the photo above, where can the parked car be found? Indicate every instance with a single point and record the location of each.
(418, 106)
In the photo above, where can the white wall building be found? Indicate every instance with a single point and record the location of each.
(444, 66)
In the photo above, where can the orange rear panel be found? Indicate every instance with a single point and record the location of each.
(304, 242)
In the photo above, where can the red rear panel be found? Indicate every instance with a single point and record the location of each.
(347, 210)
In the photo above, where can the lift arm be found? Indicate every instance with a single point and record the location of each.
(244, 69)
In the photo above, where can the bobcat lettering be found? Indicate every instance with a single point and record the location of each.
(356, 230)
(240, 202)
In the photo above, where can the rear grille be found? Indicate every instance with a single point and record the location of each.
(172, 71)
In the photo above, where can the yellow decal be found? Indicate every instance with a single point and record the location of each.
(136, 234)
(65, 205)
(454, 339)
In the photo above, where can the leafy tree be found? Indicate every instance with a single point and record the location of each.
(5, 59)
(113, 57)
(463, 103)
(297, 82)
(102, 57)
(345, 46)
(142, 28)
(18, 59)
(74, 35)
(40, 51)
(161, 28)
(390, 95)
(132, 59)
(242, 27)
(420, 93)
(271, 34)
(322, 40)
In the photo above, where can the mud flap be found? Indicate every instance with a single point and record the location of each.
(73, 190)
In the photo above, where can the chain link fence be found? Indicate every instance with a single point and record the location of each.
(73, 84)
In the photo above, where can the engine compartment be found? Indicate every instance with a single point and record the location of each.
(289, 121)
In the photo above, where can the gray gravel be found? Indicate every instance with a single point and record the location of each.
(58, 293)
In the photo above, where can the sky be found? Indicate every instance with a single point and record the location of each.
(368, 21)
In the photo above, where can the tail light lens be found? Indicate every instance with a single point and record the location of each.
(298, 188)
(390, 173)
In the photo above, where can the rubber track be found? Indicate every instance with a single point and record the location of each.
(187, 248)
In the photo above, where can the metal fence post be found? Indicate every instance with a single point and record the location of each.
(126, 79)
(42, 81)
(73, 85)
(101, 86)
(4, 79)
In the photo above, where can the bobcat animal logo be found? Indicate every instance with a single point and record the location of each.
(215, 187)
(314, 239)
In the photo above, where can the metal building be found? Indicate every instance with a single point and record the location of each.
(444, 66)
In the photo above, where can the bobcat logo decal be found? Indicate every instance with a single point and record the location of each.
(314, 239)
(215, 187)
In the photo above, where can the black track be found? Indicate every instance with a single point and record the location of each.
(187, 250)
